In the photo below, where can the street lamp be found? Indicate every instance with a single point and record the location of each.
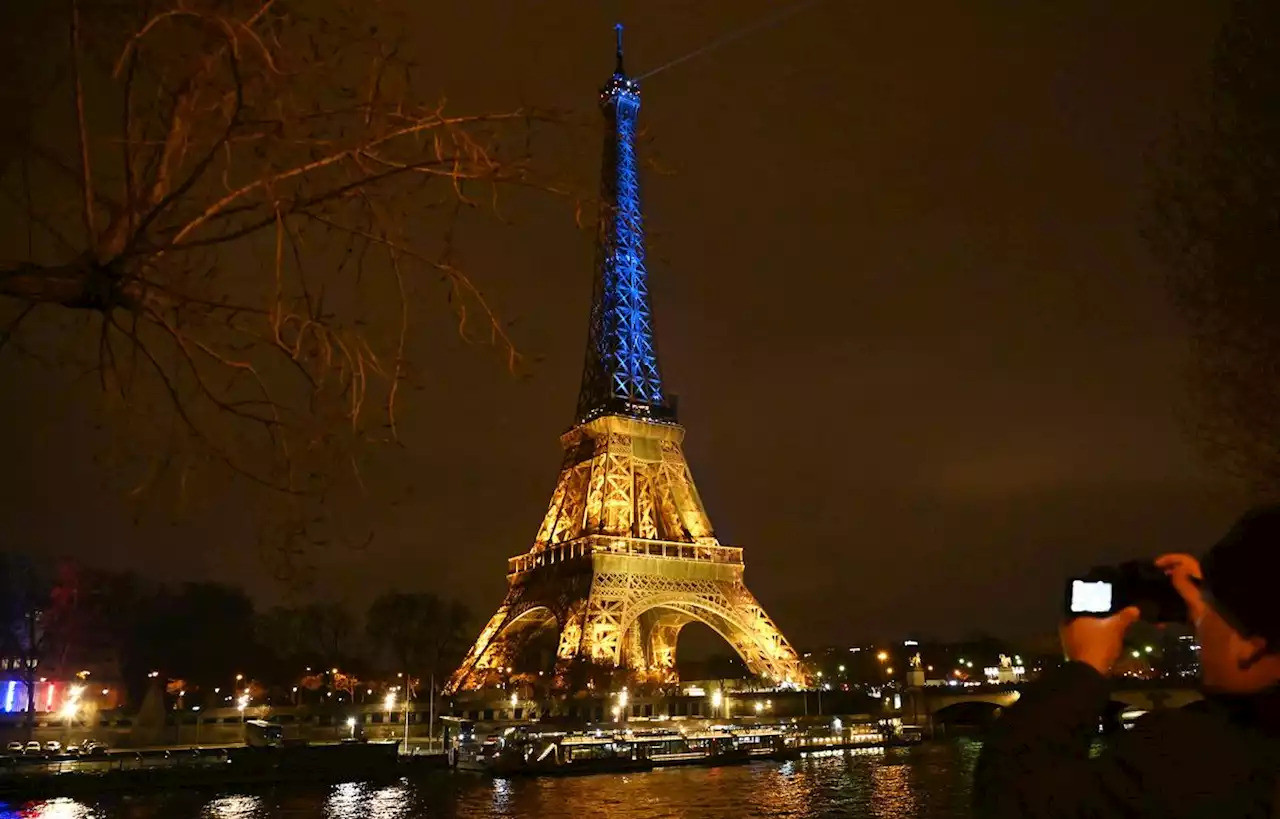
(883, 656)
(68, 713)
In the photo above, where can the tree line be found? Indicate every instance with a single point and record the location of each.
(209, 642)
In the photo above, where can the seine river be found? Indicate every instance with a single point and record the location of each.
(928, 781)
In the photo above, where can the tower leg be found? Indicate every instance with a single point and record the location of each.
(503, 639)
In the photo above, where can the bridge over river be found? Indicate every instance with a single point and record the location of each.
(932, 706)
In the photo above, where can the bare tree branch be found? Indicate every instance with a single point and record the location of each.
(86, 175)
(238, 161)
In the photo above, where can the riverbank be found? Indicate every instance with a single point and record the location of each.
(207, 768)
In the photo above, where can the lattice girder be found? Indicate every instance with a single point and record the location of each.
(626, 478)
(621, 373)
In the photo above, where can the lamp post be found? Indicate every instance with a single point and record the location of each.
(242, 702)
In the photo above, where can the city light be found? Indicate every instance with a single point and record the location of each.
(242, 702)
(759, 706)
(514, 699)
(889, 670)
(388, 702)
(623, 698)
(841, 669)
(72, 705)
(883, 656)
(716, 698)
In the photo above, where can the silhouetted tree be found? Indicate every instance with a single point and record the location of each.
(423, 635)
(1216, 228)
(25, 597)
(233, 209)
(329, 631)
(40, 617)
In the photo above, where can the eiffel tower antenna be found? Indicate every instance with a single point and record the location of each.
(618, 28)
(626, 555)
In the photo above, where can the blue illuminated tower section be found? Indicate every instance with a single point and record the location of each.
(621, 375)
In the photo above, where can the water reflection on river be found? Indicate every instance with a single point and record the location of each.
(930, 781)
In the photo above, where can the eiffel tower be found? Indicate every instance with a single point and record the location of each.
(626, 556)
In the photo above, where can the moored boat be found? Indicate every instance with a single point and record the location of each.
(525, 750)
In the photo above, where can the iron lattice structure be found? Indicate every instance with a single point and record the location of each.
(626, 555)
(621, 372)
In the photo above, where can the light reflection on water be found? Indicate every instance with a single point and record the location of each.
(930, 781)
(233, 807)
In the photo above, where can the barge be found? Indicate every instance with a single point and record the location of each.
(529, 750)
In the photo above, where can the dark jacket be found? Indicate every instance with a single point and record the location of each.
(1217, 759)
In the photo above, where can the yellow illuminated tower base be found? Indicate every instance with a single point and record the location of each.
(624, 559)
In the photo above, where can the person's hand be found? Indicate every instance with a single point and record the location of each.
(1097, 641)
(1184, 573)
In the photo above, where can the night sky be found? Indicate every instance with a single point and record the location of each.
(925, 363)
